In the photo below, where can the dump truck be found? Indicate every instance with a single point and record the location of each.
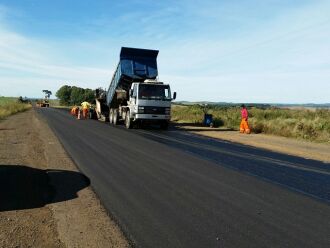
(135, 95)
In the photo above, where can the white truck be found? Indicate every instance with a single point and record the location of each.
(135, 96)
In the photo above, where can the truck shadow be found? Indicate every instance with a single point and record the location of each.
(196, 127)
(24, 187)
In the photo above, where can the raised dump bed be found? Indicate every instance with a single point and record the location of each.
(135, 65)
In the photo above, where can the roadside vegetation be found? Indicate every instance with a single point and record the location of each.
(54, 102)
(11, 105)
(313, 125)
(73, 95)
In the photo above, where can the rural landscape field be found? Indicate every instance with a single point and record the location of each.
(301, 123)
(160, 124)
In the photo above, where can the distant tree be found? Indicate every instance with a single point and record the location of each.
(64, 94)
(89, 95)
(48, 93)
(77, 95)
(73, 95)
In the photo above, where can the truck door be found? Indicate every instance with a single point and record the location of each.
(134, 95)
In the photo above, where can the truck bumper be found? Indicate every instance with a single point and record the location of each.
(152, 117)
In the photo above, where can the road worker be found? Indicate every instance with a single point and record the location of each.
(85, 108)
(73, 110)
(76, 111)
(244, 127)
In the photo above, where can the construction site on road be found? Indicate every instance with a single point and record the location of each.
(135, 96)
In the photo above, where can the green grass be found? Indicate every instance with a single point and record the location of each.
(54, 102)
(313, 125)
(10, 106)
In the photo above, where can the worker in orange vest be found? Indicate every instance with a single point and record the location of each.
(85, 108)
(74, 111)
(244, 127)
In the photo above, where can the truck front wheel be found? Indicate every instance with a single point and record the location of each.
(128, 121)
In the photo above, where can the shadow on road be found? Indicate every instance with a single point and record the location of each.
(23, 187)
(197, 127)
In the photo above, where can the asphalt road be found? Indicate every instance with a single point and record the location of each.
(173, 189)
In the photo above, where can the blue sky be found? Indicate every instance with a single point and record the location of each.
(271, 51)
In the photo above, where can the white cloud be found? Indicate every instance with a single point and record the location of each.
(285, 60)
(290, 51)
(21, 55)
(283, 87)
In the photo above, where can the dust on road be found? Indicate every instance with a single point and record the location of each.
(44, 200)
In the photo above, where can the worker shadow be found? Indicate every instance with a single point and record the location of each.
(198, 127)
(24, 187)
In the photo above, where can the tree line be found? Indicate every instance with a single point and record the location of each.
(73, 95)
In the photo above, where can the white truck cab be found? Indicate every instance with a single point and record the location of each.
(150, 102)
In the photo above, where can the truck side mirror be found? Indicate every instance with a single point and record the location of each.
(174, 95)
(130, 92)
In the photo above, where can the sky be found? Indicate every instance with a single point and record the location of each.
(262, 51)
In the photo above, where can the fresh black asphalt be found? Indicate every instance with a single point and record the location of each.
(173, 189)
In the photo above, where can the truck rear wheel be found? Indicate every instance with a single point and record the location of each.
(111, 116)
(115, 117)
(128, 121)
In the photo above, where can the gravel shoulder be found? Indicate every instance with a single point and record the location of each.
(45, 200)
(305, 149)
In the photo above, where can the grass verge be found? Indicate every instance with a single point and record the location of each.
(313, 125)
(10, 106)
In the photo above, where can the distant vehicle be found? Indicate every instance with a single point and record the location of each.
(44, 102)
(135, 96)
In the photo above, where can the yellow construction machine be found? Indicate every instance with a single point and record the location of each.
(44, 102)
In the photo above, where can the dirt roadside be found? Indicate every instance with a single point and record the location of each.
(284, 145)
(44, 200)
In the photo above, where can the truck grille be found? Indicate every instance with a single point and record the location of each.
(154, 110)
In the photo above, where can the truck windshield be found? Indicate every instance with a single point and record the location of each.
(150, 91)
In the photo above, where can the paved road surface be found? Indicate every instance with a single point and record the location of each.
(173, 189)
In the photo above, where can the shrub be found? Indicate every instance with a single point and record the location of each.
(257, 127)
(218, 122)
(299, 123)
(9, 106)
